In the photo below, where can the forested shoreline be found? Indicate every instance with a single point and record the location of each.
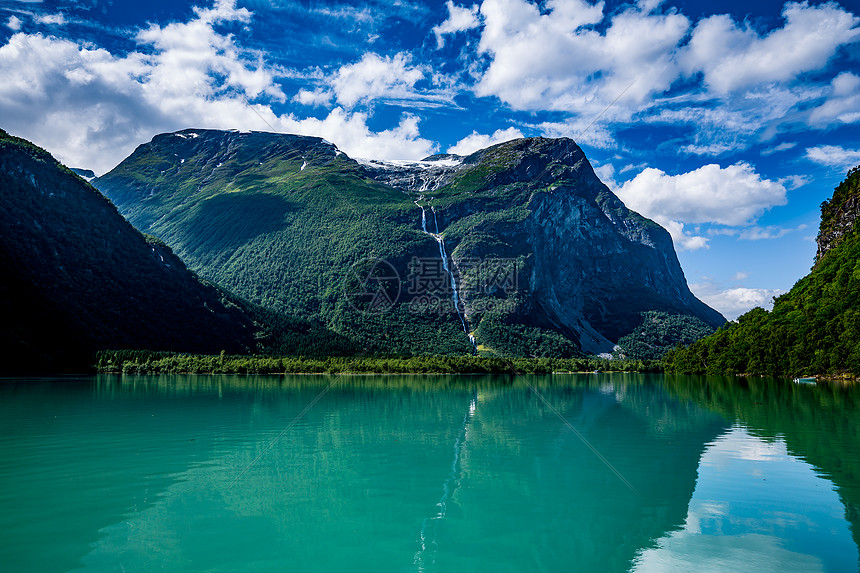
(150, 362)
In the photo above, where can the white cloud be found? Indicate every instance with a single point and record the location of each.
(737, 86)
(376, 78)
(73, 100)
(631, 167)
(734, 302)
(647, 6)
(349, 131)
(770, 232)
(51, 19)
(14, 23)
(475, 141)
(188, 54)
(842, 104)
(735, 195)
(781, 147)
(555, 60)
(792, 182)
(834, 156)
(754, 84)
(316, 97)
(734, 58)
(711, 149)
(583, 130)
(606, 174)
(684, 241)
(731, 123)
(459, 19)
(91, 108)
(740, 275)
(349, 13)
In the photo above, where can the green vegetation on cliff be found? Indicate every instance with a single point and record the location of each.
(658, 333)
(845, 191)
(814, 329)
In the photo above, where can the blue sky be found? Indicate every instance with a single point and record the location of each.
(726, 122)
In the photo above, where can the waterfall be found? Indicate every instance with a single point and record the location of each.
(455, 297)
(423, 217)
(427, 536)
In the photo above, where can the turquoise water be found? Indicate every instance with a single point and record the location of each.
(427, 473)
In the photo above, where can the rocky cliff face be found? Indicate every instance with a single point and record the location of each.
(519, 246)
(588, 265)
(839, 214)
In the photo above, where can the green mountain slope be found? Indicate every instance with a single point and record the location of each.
(545, 260)
(812, 329)
(589, 268)
(77, 277)
(281, 221)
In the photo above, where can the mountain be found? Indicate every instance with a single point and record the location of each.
(77, 278)
(814, 328)
(284, 222)
(86, 174)
(517, 249)
(589, 268)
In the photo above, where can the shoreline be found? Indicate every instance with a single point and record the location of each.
(146, 362)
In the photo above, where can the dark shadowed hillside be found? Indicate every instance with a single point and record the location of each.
(77, 277)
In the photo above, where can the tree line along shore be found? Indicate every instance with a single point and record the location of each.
(150, 362)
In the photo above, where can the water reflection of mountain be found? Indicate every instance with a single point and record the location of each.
(358, 483)
(519, 486)
(521, 459)
(820, 423)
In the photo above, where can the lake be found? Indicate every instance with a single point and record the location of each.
(599, 472)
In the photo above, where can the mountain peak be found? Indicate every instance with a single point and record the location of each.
(266, 142)
(443, 157)
(562, 150)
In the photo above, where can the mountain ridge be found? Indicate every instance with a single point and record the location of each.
(243, 209)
